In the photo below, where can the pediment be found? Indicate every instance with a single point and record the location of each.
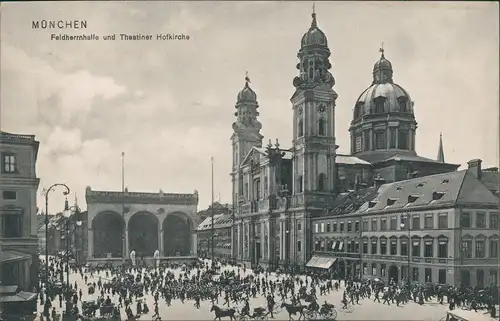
(427, 236)
(481, 236)
(467, 237)
(255, 154)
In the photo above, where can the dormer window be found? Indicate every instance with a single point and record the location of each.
(321, 127)
(379, 104)
(371, 204)
(412, 198)
(437, 195)
(399, 188)
(402, 104)
(420, 185)
(391, 201)
(445, 181)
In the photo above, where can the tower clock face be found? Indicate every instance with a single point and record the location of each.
(322, 108)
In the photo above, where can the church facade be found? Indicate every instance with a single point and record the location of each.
(278, 191)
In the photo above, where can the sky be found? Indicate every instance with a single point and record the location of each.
(169, 105)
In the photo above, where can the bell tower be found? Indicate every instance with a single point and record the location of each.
(246, 134)
(314, 117)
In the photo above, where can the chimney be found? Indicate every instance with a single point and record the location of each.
(379, 181)
(475, 167)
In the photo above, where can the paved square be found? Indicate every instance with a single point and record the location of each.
(366, 310)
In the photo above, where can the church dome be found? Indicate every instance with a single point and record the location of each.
(383, 96)
(314, 36)
(247, 94)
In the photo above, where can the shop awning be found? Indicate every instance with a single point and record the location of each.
(13, 256)
(321, 262)
(19, 297)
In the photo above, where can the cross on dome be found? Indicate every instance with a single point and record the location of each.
(247, 79)
(381, 50)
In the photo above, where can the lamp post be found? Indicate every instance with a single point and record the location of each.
(69, 213)
(406, 225)
(47, 191)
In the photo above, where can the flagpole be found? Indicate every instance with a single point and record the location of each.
(124, 234)
(123, 171)
(212, 207)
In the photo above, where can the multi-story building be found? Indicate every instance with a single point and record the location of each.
(277, 191)
(440, 228)
(213, 209)
(18, 224)
(222, 235)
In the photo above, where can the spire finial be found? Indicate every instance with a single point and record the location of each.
(381, 50)
(314, 23)
(440, 156)
(247, 80)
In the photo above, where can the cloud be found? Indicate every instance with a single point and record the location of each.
(169, 105)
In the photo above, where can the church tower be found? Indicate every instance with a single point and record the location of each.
(246, 134)
(313, 103)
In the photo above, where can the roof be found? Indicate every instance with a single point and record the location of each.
(350, 160)
(350, 201)
(220, 221)
(8, 289)
(453, 188)
(491, 179)
(410, 158)
(19, 297)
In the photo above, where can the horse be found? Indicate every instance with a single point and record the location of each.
(293, 309)
(220, 313)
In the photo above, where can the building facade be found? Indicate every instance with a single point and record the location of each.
(278, 191)
(213, 209)
(122, 222)
(220, 235)
(18, 223)
(440, 228)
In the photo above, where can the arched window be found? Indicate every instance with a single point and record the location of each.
(300, 129)
(402, 104)
(321, 182)
(403, 139)
(379, 104)
(321, 127)
(299, 184)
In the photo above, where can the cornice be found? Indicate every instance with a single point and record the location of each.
(96, 197)
(20, 181)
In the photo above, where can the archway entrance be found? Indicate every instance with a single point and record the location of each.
(109, 232)
(393, 273)
(176, 236)
(143, 234)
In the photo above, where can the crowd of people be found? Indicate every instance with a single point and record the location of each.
(230, 292)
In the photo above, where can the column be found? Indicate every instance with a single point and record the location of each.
(160, 243)
(270, 239)
(282, 239)
(194, 244)
(262, 240)
(238, 242)
(127, 252)
(90, 243)
(397, 137)
(372, 139)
